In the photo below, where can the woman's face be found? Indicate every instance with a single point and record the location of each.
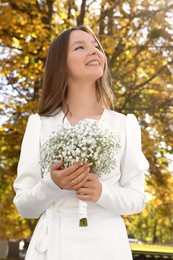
(85, 60)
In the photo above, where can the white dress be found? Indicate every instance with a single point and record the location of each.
(57, 235)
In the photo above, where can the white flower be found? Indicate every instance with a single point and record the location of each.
(88, 141)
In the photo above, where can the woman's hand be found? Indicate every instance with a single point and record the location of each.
(71, 178)
(91, 190)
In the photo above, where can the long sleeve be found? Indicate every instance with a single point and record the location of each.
(127, 196)
(34, 194)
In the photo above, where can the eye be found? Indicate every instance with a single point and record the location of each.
(79, 47)
(98, 48)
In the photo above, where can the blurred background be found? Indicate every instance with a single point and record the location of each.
(137, 36)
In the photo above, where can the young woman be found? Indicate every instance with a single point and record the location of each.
(76, 86)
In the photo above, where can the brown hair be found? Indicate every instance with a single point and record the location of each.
(55, 86)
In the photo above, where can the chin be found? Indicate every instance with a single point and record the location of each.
(95, 76)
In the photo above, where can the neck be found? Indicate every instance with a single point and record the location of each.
(82, 101)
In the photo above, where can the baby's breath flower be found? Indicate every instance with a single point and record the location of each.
(88, 141)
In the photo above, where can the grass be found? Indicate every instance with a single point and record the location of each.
(152, 248)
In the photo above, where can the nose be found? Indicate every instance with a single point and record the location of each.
(93, 50)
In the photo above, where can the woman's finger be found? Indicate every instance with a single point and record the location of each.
(70, 178)
(91, 190)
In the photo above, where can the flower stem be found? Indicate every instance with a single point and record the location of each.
(83, 222)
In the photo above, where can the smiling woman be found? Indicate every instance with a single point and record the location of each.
(77, 91)
(55, 86)
(88, 58)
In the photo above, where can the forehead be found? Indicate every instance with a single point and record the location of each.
(80, 36)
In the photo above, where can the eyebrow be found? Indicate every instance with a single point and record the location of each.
(82, 42)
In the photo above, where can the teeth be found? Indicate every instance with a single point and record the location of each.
(93, 63)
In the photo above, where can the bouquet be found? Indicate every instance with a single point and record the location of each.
(89, 141)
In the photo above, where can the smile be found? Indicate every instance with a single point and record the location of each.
(94, 62)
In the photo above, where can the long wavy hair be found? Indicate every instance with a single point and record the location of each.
(55, 87)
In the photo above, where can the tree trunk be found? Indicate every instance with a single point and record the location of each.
(80, 18)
